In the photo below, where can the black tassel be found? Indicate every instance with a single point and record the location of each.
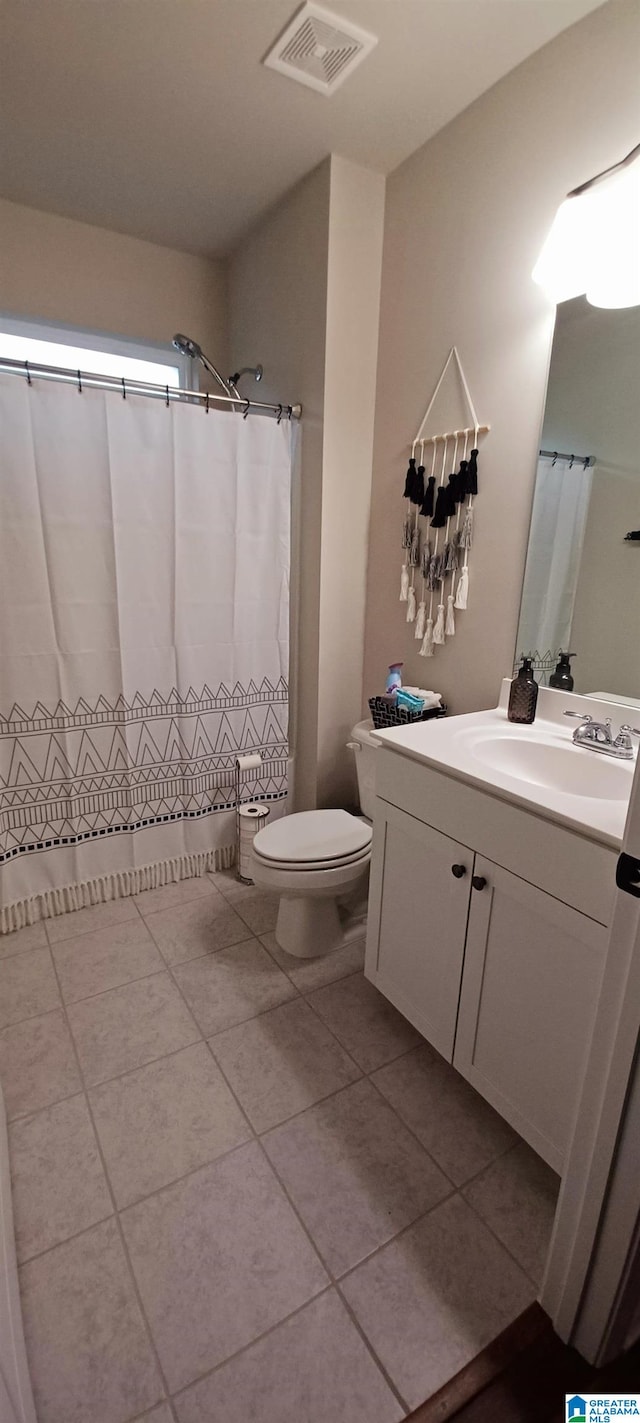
(409, 479)
(451, 496)
(462, 481)
(428, 501)
(472, 473)
(440, 517)
(418, 490)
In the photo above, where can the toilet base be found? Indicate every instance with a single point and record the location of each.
(308, 928)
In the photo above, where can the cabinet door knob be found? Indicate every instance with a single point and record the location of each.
(459, 871)
(478, 881)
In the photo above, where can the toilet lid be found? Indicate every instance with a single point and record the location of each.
(313, 836)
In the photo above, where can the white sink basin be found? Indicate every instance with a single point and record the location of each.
(570, 769)
(536, 766)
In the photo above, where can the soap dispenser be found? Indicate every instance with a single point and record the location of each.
(562, 678)
(523, 695)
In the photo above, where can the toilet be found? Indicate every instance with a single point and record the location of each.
(318, 862)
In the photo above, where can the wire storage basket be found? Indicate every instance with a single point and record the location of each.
(385, 713)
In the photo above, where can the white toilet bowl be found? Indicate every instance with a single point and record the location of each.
(318, 862)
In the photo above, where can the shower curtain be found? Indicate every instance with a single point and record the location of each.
(558, 523)
(144, 638)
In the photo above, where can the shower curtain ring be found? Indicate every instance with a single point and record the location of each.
(246, 410)
(279, 413)
(167, 396)
(555, 457)
(206, 404)
(571, 462)
(124, 389)
(79, 382)
(27, 373)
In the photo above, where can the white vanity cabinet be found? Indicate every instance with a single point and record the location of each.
(501, 978)
(418, 900)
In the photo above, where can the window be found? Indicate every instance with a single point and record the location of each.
(92, 352)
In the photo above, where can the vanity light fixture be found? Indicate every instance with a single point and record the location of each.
(594, 242)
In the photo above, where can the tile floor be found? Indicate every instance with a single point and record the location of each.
(244, 1187)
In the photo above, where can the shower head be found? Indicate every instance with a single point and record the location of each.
(187, 347)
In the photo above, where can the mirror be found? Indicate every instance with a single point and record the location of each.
(581, 590)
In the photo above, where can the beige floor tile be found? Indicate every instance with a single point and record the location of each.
(96, 916)
(308, 974)
(219, 1257)
(37, 1064)
(232, 985)
(129, 1026)
(517, 1197)
(459, 1129)
(89, 1355)
(163, 1120)
(282, 1062)
(28, 986)
(314, 1368)
(434, 1297)
(32, 937)
(201, 927)
(355, 1173)
(168, 896)
(258, 908)
(105, 958)
(365, 1022)
(58, 1183)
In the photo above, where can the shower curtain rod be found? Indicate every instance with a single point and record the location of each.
(126, 387)
(587, 461)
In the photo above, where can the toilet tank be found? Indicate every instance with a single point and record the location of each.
(365, 746)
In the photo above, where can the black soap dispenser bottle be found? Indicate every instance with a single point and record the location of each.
(562, 678)
(523, 695)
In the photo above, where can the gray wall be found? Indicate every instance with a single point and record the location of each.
(466, 218)
(56, 269)
(304, 292)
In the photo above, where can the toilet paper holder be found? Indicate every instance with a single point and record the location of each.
(245, 766)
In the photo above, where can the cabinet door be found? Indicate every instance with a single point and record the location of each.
(417, 921)
(531, 979)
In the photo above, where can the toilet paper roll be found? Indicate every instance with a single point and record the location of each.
(248, 763)
(251, 819)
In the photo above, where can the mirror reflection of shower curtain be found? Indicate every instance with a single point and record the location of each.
(558, 523)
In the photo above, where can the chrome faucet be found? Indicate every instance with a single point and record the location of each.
(596, 736)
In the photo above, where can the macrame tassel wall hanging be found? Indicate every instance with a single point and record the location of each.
(444, 500)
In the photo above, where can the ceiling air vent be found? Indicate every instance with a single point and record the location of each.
(320, 49)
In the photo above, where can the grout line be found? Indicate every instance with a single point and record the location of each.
(383, 1370)
(69, 913)
(118, 1223)
(88, 998)
(536, 1283)
(332, 1277)
(231, 1358)
(206, 954)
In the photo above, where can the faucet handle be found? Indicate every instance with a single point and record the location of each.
(632, 729)
(581, 716)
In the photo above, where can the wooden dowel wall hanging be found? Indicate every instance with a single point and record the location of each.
(440, 501)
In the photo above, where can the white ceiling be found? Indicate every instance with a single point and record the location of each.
(157, 118)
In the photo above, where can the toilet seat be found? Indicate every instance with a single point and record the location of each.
(314, 839)
(310, 865)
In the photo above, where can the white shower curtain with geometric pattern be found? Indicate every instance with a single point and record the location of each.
(144, 638)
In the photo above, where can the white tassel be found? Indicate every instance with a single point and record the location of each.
(404, 584)
(411, 606)
(463, 589)
(421, 622)
(450, 625)
(438, 631)
(427, 642)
